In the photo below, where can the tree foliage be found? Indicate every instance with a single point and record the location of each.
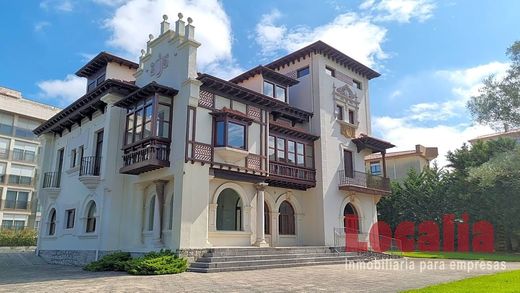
(498, 101)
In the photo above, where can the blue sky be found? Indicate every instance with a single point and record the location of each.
(432, 54)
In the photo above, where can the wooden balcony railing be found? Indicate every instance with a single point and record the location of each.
(151, 154)
(286, 175)
(51, 180)
(355, 180)
(90, 166)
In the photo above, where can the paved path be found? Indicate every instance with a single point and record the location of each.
(23, 272)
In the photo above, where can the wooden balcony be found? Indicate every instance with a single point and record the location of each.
(364, 183)
(290, 176)
(147, 155)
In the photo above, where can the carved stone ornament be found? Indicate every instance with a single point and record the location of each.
(157, 67)
(346, 95)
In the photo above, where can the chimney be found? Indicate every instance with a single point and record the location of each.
(420, 149)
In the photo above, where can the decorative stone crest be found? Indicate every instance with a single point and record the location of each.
(346, 95)
(157, 67)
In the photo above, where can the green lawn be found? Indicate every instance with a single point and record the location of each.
(502, 282)
(465, 255)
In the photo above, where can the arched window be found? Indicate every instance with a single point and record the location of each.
(229, 211)
(267, 223)
(286, 221)
(52, 222)
(351, 219)
(91, 217)
(151, 213)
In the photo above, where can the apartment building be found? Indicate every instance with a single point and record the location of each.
(156, 155)
(19, 154)
(397, 164)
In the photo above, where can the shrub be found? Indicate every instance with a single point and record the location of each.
(26, 237)
(157, 263)
(110, 262)
(152, 263)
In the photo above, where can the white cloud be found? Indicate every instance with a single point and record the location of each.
(60, 5)
(402, 11)
(63, 91)
(356, 36)
(395, 94)
(134, 20)
(110, 2)
(40, 26)
(405, 135)
(428, 123)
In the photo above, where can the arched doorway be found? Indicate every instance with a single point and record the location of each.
(351, 219)
(229, 211)
(286, 222)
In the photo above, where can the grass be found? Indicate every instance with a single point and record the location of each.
(501, 282)
(498, 256)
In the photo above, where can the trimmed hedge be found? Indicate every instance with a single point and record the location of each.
(10, 237)
(153, 263)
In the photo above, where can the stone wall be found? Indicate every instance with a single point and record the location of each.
(71, 257)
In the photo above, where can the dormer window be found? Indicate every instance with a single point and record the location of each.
(275, 91)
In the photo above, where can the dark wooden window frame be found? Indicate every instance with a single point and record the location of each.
(351, 116)
(70, 218)
(226, 119)
(52, 223)
(339, 112)
(287, 221)
(306, 70)
(154, 101)
(274, 84)
(286, 150)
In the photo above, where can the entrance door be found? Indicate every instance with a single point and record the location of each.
(348, 164)
(351, 219)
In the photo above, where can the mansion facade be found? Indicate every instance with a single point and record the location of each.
(156, 155)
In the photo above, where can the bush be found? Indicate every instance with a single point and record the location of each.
(111, 262)
(26, 237)
(153, 263)
(157, 263)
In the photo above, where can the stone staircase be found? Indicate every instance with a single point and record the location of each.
(239, 259)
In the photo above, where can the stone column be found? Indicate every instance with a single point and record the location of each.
(260, 230)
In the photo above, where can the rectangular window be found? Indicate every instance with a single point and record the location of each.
(351, 117)
(7, 224)
(91, 86)
(268, 89)
(330, 71)
(130, 128)
(79, 155)
(220, 137)
(357, 83)
(339, 112)
(281, 93)
(300, 155)
(280, 149)
(99, 144)
(59, 161)
(6, 124)
(16, 200)
(73, 155)
(291, 152)
(236, 135)
(348, 163)
(70, 215)
(309, 156)
(272, 148)
(302, 72)
(100, 79)
(375, 168)
(163, 120)
(148, 114)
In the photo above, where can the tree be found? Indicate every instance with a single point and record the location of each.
(499, 179)
(498, 101)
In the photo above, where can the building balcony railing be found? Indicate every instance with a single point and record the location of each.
(90, 166)
(148, 155)
(19, 180)
(291, 176)
(363, 182)
(24, 156)
(51, 180)
(16, 205)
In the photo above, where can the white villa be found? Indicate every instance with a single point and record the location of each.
(155, 155)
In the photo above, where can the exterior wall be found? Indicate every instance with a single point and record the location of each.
(397, 168)
(21, 111)
(121, 72)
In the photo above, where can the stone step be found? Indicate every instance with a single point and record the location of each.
(268, 266)
(262, 262)
(271, 256)
(214, 252)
